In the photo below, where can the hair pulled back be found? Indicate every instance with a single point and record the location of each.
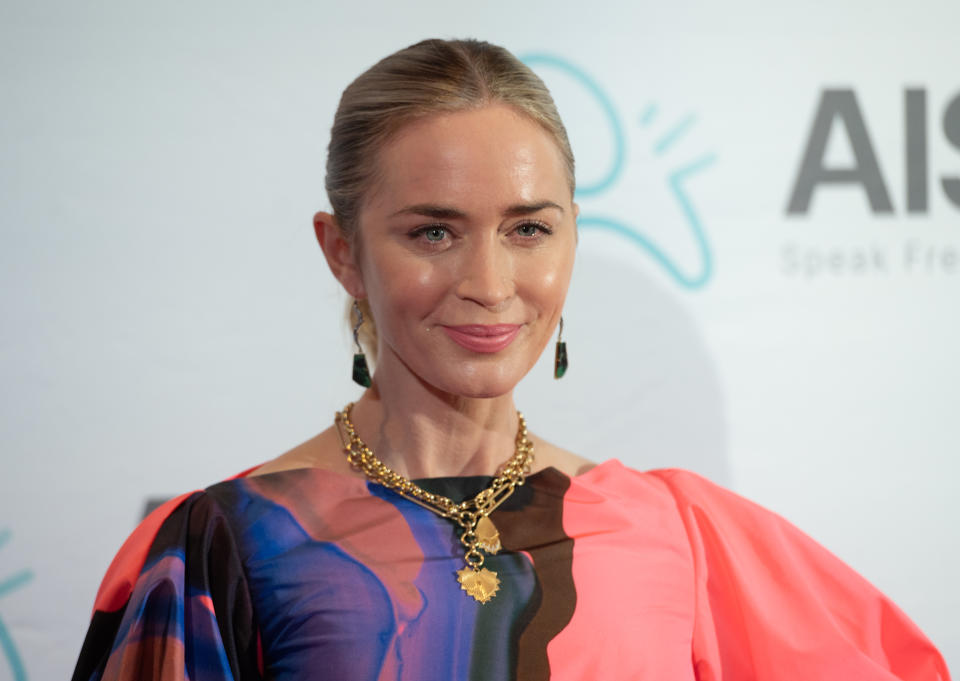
(429, 78)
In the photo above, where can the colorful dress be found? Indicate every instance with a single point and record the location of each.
(613, 574)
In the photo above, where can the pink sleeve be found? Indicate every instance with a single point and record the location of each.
(772, 604)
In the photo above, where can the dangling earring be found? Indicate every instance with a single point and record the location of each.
(560, 358)
(361, 372)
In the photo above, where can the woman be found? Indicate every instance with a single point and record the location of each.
(426, 534)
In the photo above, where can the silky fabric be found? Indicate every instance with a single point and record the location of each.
(612, 574)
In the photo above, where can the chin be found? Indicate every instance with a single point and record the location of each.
(484, 394)
(482, 384)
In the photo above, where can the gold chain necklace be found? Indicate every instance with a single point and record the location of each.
(472, 515)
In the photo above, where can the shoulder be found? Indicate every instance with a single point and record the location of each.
(735, 535)
(549, 455)
(703, 502)
(164, 528)
(323, 451)
(761, 584)
(182, 558)
(685, 487)
(705, 506)
(129, 561)
(698, 502)
(679, 486)
(688, 487)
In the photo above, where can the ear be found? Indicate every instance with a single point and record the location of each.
(576, 230)
(340, 254)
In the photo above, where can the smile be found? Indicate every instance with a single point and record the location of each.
(482, 337)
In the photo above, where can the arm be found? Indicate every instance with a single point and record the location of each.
(772, 604)
(174, 604)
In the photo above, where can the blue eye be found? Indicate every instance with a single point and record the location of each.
(531, 229)
(435, 234)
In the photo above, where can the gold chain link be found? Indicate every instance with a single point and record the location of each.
(467, 513)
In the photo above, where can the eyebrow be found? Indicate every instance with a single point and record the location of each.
(448, 213)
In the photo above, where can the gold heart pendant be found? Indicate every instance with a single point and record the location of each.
(482, 584)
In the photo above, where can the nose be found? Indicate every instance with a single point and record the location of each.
(486, 273)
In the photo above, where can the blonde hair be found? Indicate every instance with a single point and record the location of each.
(429, 78)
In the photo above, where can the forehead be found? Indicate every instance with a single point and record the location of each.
(477, 158)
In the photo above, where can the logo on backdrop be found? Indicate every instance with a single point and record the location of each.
(7, 645)
(666, 134)
(839, 119)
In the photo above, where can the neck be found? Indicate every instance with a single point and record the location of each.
(423, 433)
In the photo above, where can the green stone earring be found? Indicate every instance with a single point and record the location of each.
(560, 358)
(361, 372)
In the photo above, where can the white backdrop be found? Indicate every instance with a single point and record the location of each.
(168, 319)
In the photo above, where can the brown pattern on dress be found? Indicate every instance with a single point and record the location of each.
(531, 521)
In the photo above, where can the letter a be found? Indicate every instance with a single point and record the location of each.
(840, 104)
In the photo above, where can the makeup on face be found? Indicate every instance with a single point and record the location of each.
(483, 337)
(469, 242)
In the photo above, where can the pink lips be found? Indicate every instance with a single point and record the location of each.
(483, 337)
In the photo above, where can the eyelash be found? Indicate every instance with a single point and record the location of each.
(421, 232)
(542, 228)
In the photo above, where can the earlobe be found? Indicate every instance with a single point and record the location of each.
(339, 252)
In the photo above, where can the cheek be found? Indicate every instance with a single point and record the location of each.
(551, 277)
(402, 286)
(551, 280)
